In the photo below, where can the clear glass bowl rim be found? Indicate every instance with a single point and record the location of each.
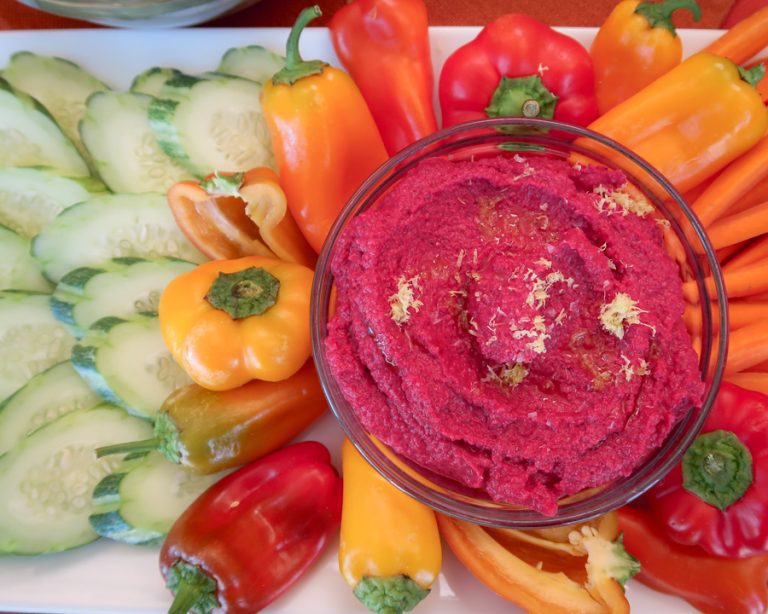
(489, 514)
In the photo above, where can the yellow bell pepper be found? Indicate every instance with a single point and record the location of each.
(389, 550)
(230, 321)
(578, 570)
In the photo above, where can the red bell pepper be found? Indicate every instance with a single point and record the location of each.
(717, 497)
(519, 66)
(384, 44)
(711, 584)
(250, 536)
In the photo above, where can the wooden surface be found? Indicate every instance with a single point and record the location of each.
(15, 16)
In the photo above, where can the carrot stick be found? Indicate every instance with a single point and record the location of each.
(747, 347)
(724, 254)
(761, 368)
(739, 227)
(742, 313)
(745, 281)
(743, 40)
(750, 381)
(754, 253)
(733, 182)
(757, 194)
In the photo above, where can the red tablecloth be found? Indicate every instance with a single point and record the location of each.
(715, 13)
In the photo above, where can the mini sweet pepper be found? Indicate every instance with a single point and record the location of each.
(227, 322)
(208, 431)
(717, 497)
(253, 534)
(518, 66)
(325, 140)
(389, 550)
(636, 44)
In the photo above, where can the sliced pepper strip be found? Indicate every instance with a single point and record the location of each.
(582, 577)
(231, 215)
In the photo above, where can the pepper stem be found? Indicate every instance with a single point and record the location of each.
(659, 14)
(390, 595)
(753, 75)
(295, 66)
(193, 589)
(132, 447)
(522, 97)
(717, 468)
(185, 597)
(245, 293)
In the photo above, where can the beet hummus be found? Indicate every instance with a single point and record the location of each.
(513, 324)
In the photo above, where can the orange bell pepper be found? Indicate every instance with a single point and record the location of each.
(584, 574)
(239, 214)
(636, 44)
(230, 321)
(692, 121)
(389, 548)
(324, 136)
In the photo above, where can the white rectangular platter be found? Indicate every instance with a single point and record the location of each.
(112, 578)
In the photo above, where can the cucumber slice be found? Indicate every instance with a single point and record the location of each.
(212, 124)
(151, 81)
(253, 62)
(18, 269)
(47, 396)
(139, 503)
(29, 136)
(111, 226)
(59, 85)
(31, 339)
(31, 197)
(127, 362)
(47, 479)
(123, 287)
(117, 135)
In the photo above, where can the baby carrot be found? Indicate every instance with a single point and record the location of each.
(744, 313)
(745, 281)
(733, 182)
(753, 253)
(747, 347)
(724, 254)
(750, 381)
(739, 227)
(744, 39)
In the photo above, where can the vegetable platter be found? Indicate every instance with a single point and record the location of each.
(110, 577)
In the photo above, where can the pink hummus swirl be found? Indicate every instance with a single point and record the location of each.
(513, 324)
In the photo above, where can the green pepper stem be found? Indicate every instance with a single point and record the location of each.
(390, 595)
(753, 75)
(295, 66)
(184, 599)
(659, 14)
(244, 293)
(132, 447)
(717, 468)
(522, 97)
(193, 588)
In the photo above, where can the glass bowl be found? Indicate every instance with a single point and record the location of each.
(141, 13)
(687, 244)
